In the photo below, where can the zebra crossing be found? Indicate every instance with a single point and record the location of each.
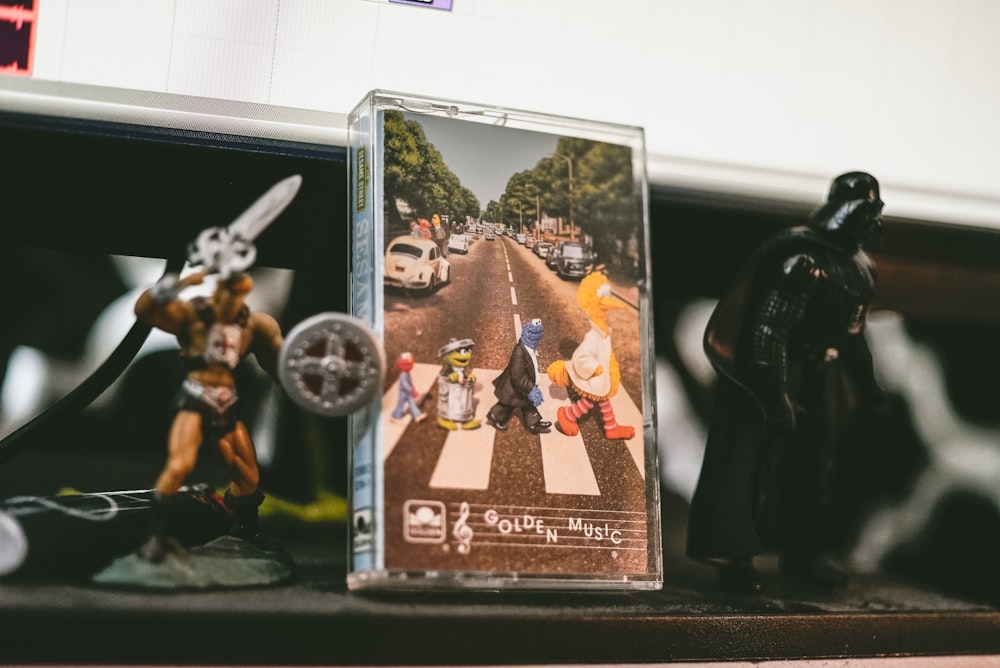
(466, 458)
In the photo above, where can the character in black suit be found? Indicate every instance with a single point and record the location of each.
(795, 374)
(517, 386)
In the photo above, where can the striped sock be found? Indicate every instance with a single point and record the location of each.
(580, 408)
(608, 414)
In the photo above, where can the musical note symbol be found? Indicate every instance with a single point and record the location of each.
(461, 531)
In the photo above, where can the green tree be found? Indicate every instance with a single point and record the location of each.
(520, 205)
(588, 182)
(402, 164)
(492, 213)
(605, 199)
(415, 173)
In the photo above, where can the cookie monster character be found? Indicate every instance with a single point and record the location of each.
(407, 392)
(517, 385)
(456, 385)
(592, 375)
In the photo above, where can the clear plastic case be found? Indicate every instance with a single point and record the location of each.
(501, 257)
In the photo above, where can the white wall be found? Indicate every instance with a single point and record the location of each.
(766, 96)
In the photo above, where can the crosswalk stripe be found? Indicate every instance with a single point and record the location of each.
(627, 413)
(565, 462)
(466, 459)
(467, 456)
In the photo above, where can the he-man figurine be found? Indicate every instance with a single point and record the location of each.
(214, 335)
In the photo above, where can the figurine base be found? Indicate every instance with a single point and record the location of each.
(225, 562)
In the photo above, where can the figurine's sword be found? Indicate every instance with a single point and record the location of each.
(225, 250)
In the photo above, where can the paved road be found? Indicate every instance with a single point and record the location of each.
(484, 499)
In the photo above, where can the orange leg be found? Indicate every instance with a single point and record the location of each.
(182, 452)
(241, 459)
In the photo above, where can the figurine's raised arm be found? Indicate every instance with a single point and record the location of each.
(160, 307)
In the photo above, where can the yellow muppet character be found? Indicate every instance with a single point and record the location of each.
(592, 373)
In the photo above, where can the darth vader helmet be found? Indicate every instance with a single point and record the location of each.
(853, 210)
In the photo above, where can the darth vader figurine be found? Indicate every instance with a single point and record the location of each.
(788, 344)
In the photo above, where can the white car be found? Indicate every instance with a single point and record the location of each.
(458, 243)
(542, 249)
(413, 263)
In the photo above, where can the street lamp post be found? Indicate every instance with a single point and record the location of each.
(538, 215)
(538, 210)
(569, 171)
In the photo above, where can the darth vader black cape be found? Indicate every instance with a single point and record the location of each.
(722, 523)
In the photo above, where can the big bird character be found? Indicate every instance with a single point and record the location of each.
(592, 375)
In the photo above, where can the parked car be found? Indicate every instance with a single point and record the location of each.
(458, 243)
(413, 263)
(542, 248)
(575, 259)
(519, 238)
(552, 256)
(529, 242)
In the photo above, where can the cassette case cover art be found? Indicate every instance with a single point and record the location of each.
(512, 438)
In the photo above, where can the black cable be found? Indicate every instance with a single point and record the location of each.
(88, 390)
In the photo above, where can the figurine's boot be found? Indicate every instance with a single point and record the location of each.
(158, 544)
(612, 430)
(619, 432)
(738, 575)
(245, 525)
(567, 425)
(814, 568)
(493, 419)
(537, 425)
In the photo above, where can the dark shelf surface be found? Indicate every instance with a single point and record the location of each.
(317, 620)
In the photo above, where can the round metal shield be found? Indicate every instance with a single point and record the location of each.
(331, 364)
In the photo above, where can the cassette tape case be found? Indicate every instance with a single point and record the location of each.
(502, 259)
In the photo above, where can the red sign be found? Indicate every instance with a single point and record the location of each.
(17, 35)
